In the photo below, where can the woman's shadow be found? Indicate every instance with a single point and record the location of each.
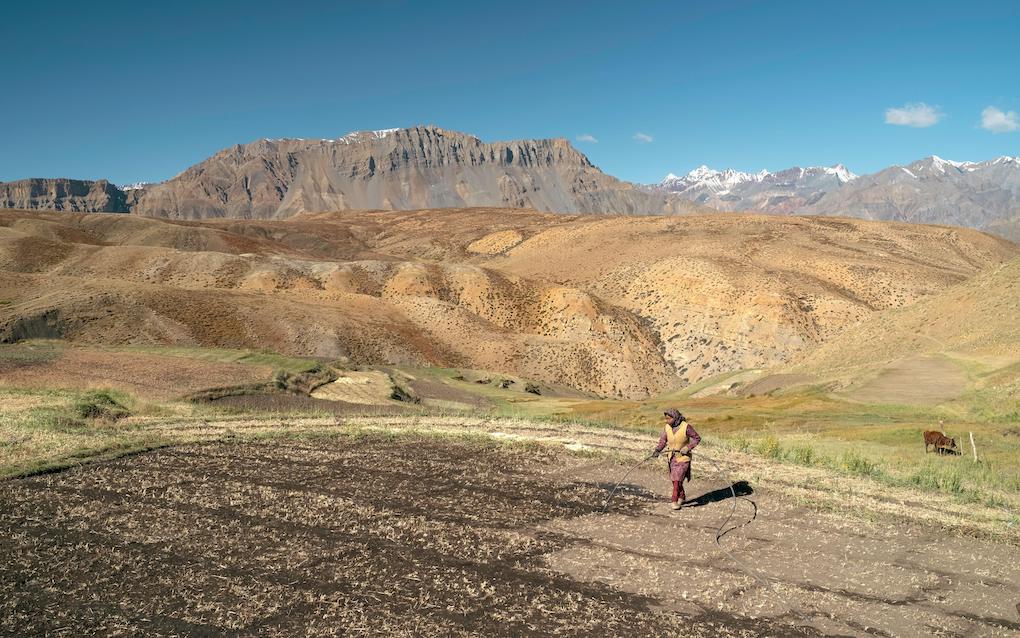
(738, 489)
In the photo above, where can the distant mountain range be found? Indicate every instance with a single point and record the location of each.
(782, 192)
(429, 167)
(983, 195)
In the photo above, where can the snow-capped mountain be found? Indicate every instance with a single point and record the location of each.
(934, 190)
(782, 191)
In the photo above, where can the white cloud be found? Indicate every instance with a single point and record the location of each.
(587, 137)
(994, 120)
(918, 115)
(643, 137)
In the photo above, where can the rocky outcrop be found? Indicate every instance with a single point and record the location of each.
(402, 169)
(75, 195)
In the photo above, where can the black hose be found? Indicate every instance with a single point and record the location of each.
(605, 508)
(720, 531)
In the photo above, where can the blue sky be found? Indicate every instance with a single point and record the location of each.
(140, 91)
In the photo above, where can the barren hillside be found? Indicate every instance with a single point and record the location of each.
(965, 336)
(615, 306)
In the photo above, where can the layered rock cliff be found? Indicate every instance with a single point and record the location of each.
(421, 167)
(76, 195)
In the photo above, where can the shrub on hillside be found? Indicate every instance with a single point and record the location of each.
(769, 447)
(400, 393)
(100, 404)
(802, 454)
(740, 444)
(938, 476)
(857, 464)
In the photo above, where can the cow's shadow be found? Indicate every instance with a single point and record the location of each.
(739, 488)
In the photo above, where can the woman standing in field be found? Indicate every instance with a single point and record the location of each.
(679, 437)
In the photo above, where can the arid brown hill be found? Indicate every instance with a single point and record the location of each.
(968, 330)
(397, 169)
(612, 305)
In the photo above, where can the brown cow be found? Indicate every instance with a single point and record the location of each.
(940, 442)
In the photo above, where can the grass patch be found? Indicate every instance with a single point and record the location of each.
(99, 404)
(802, 455)
(937, 476)
(857, 464)
(769, 447)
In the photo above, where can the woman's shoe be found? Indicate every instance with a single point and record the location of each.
(676, 505)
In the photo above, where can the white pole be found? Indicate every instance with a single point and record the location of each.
(973, 447)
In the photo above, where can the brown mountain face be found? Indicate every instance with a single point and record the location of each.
(617, 306)
(400, 169)
(76, 195)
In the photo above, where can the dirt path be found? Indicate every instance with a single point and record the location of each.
(366, 533)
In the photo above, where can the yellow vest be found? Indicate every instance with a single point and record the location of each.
(676, 441)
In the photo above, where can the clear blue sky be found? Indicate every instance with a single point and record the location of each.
(140, 91)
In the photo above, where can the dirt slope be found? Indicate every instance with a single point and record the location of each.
(617, 306)
(972, 326)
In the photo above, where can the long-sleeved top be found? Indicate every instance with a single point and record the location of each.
(680, 469)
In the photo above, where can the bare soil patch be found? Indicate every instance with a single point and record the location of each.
(772, 383)
(365, 536)
(291, 403)
(914, 381)
(148, 376)
(367, 387)
(374, 534)
(791, 565)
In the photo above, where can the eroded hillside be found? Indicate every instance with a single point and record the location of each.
(614, 306)
(965, 336)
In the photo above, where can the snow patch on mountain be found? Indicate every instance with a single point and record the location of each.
(841, 172)
(356, 136)
(940, 164)
(717, 181)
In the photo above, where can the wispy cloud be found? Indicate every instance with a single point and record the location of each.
(918, 115)
(644, 138)
(587, 137)
(996, 121)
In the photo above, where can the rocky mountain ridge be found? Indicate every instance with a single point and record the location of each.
(73, 195)
(401, 169)
(730, 190)
(983, 195)
(429, 167)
